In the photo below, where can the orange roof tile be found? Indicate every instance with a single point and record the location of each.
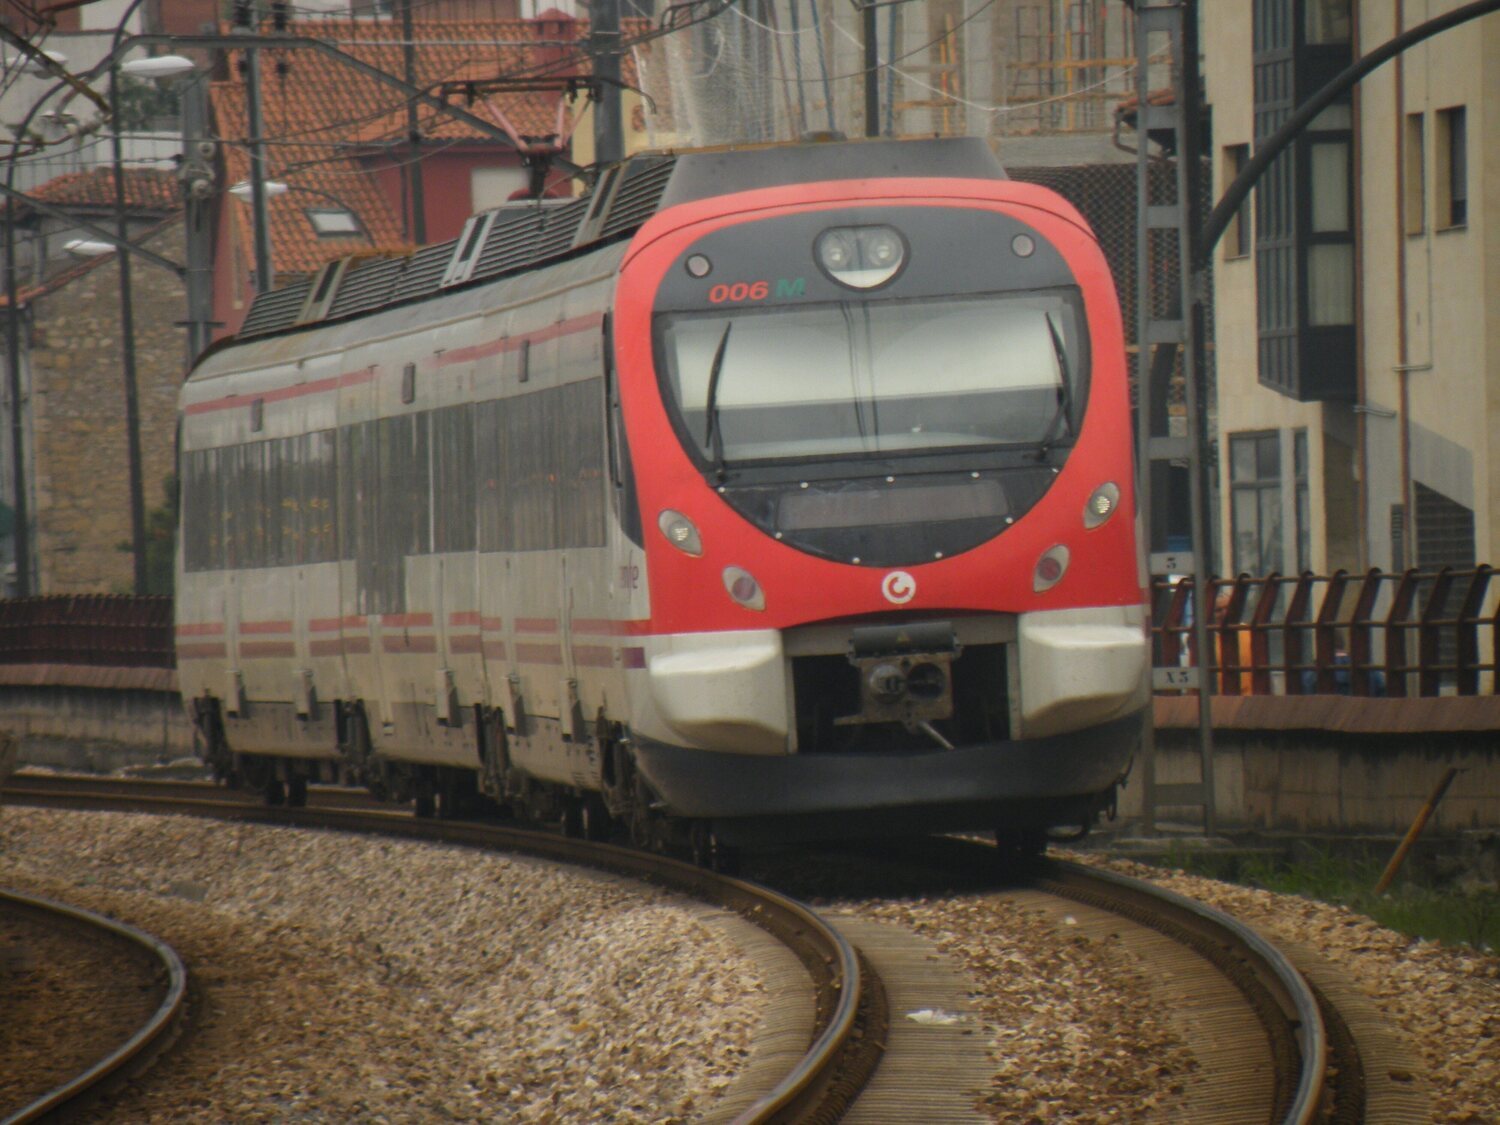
(319, 114)
(321, 176)
(146, 189)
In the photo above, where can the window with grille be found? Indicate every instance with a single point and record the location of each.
(1255, 502)
(1452, 167)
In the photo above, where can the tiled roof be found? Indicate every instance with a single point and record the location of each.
(321, 176)
(315, 111)
(146, 189)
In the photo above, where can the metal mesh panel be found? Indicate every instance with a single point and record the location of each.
(367, 285)
(558, 228)
(512, 240)
(636, 198)
(425, 271)
(275, 309)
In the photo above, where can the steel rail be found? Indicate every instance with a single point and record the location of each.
(848, 1031)
(1282, 998)
(150, 1035)
(1284, 985)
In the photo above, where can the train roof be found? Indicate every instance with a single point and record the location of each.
(522, 236)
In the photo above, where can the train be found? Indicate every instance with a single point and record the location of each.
(756, 494)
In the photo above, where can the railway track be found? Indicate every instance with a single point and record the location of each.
(88, 999)
(849, 1016)
(1302, 1043)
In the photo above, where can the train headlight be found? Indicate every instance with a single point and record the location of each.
(861, 257)
(743, 588)
(680, 532)
(1102, 504)
(1050, 568)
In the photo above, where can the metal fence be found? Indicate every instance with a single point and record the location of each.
(117, 631)
(1377, 634)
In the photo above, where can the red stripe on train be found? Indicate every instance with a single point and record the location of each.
(539, 654)
(267, 650)
(200, 651)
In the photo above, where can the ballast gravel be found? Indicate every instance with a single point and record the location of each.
(350, 979)
(1074, 1032)
(342, 978)
(1443, 1002)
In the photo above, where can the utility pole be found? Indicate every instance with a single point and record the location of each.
(1161, 338)
(21, 535)
(245, 20)
(127, 345)
(604, 49)
(416, 228)
(872, 68)
(197, 180)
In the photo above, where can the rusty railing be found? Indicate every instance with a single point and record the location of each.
(1377, 634)
(118, 631)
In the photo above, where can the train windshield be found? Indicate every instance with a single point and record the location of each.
(880, 377)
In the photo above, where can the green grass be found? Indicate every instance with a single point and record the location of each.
(1435, 900)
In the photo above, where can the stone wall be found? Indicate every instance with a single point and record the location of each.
(80, 470)
(1333, 764)
(94, 729)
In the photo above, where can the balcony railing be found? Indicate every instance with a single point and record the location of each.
(1377, 634)
(114, 631)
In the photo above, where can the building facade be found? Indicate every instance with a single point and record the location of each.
(1357, 296)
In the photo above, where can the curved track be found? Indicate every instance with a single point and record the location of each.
(1306, 1042)
(154, 959)
(850, 1006)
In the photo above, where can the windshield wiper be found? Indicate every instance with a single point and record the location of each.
(714, 439)
(1064, 394)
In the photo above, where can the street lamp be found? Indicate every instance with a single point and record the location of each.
(88, 247)
(156, 67)
(160, 66)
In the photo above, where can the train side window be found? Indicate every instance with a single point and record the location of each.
(257, 415)
(523, 363)
(409, 383)
(621, 476)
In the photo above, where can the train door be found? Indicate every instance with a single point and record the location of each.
(530, 450)
(310, 552)
(494, 378)
(357, 620)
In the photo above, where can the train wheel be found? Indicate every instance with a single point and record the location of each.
(274, 792)
(570, 820)
(424, 804)
(1021, 843)
(595, 820)
(296, 793)
(712, 853)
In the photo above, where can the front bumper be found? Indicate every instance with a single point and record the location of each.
(946, 788)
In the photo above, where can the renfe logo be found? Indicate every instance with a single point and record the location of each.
(898, 587)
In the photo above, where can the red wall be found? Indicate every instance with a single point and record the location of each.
(445, 185)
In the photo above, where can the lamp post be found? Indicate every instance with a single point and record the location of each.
(196, 178)
(127, 341)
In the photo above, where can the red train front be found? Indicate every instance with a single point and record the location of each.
(872, 433)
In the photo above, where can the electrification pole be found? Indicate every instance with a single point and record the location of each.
(417, 227)
(127, 347)
(604, 47)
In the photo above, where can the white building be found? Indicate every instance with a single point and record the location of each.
(1357, 303)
